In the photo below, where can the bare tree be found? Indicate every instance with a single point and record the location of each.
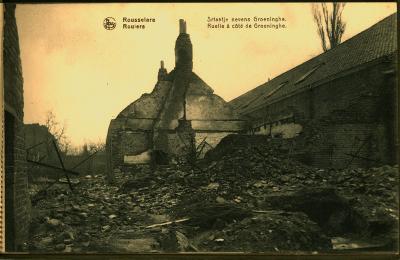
(93, 146)
(58, 131)
(330, 24)
(88, 150)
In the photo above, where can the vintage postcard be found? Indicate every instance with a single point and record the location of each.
(248, 128)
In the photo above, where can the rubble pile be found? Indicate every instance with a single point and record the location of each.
(271, 231)
(246, 195)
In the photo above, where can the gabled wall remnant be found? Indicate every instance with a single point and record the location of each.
(181, 110)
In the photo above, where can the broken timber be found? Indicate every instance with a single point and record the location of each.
(62, 164)
(62, 168)
(168, 223)
(66, 171)
(52, 167)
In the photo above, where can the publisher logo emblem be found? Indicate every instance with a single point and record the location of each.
(109, 23)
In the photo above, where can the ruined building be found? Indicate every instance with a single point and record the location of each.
(339, 109)
(17, 201)
(344, 101)
(174, 118)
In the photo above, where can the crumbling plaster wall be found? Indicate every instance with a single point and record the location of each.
(209, 107)
(283, 130)
(148, 105)
(131, 133)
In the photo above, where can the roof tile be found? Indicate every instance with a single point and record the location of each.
(377, 41)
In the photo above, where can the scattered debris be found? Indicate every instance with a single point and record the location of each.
(247, 195)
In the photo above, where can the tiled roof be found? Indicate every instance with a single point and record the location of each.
(377, 41)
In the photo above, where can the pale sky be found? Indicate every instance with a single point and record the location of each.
(86, 75)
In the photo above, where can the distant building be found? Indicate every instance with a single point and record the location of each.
(344, 99)
(17, 201)
(38, 142)
(175, 117)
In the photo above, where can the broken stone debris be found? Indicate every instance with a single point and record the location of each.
(247, 197)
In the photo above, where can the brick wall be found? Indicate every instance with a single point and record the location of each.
(356, 95)
(133, 142)
(17, 196)
(350, 108)
(21, 195)
(125, 142)
(13, 81)
(350, 145)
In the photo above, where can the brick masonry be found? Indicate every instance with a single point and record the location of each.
(355, 113)
(17, 196)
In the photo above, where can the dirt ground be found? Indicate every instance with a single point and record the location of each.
(244, 197)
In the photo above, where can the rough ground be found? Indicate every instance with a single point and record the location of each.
(245, 197)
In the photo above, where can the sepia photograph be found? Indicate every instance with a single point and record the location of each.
(200, 128)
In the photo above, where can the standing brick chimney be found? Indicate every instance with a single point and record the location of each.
(182, 26)
(162, 72)
(183, 49)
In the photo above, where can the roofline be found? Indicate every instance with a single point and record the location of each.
(318, 56)
(319, 83)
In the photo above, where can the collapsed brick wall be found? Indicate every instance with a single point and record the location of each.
(349, 107)
(17, 196)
